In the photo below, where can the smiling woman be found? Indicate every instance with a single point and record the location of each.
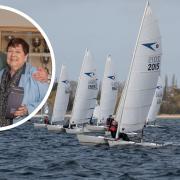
(17, 79)
(17, 51)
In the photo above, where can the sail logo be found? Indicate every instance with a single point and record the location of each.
(114, 86)
(90, 74)
(111, 77)
(158, 87)
(152, 46)
(92, 84)
(67, 86)
(65, 81)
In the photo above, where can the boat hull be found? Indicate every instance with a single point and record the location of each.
(40, 125)
(77, 130)
(107, 133)
(154, 126)
(94, 140)
(55, 128)
(74, 131)
(94, 128)
(121, 142)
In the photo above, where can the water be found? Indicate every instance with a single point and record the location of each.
(28, 153)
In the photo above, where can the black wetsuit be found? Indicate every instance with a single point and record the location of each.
(124, 137)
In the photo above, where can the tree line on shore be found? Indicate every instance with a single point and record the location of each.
(171, 97)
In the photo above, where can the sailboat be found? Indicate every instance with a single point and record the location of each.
(85, 98)
(61, 102)
(155, 106)
(108, 97)
(142, 80)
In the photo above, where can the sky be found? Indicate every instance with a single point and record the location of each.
(105, 27)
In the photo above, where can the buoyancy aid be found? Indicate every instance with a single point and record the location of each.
(113, 128)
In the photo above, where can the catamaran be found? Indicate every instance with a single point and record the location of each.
(141, 82)
(85, 98)
(61, 102)
(108, 97)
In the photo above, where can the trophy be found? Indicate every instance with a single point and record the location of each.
(9, 37)
(46, 49)
(45, 58)
(45, 61)
(36, 42)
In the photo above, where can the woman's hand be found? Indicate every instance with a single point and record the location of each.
(40, 75)
(22, 111)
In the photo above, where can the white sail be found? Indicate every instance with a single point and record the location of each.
(45, 109)
(157, 99)
(108, 92)
(62, 96)
(143, 75)
(86, 93)
(96, 113)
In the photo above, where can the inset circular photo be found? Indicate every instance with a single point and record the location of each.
(27, 67)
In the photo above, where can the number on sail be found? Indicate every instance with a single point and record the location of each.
(153, 67)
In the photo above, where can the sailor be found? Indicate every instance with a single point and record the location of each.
(123, 136)
(113, 128)
(109, 121)
(72, 126)
(91, 121)
(46, 120)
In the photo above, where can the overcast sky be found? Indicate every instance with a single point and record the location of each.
(105, 27)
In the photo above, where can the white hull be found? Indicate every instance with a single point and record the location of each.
(40, 116)
(94, 140)
(107, 133)
(40, 125)
(55, 128)
(131, 134)
(74, 131)
(77, 130)
(155, 126)
(121, 142)
(94, 128)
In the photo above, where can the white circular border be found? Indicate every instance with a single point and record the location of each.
(53, 68)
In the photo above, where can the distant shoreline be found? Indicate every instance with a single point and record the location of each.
(168, 116)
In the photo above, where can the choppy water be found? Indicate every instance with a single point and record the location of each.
(28, 153)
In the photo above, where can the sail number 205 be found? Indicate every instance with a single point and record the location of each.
(152, 67)
(154, 63)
